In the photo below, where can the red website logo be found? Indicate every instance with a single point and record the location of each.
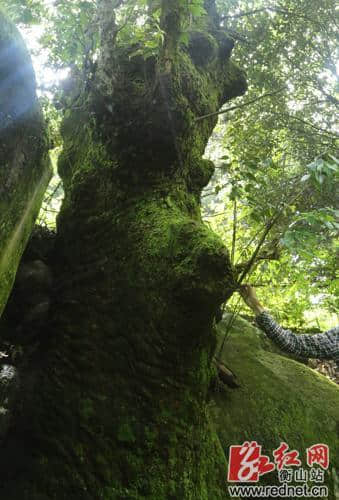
(318, 454)
(283, 457)
(246, 463)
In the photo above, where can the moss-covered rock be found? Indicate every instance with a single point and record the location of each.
(280, 399)
(24, 162)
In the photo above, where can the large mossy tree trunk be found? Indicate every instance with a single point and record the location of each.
(114, 404)
(24, 163)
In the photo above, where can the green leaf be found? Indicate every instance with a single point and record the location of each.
(184, 38)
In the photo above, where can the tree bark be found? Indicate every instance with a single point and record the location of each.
(115, 398)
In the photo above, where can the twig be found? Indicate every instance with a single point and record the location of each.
(268, 227)
(268, 94)
(279, 10)
(213, 190)
(265, 256)
(330, 134)
(234, 231)
(215, 215)
(50, 195)
(228, 327)
(251, 12)
(250, 242)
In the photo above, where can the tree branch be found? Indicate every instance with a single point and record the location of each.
(274, 255)
(251, 12)
(268, 227)
(250, 263)
(320, 129)
(329, 98)
(234, 231)
(279, 10)
(268, 94)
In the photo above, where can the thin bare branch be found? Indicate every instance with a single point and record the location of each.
(274, 255)
(268, 227)
(320, 129)
(216, 215)
(51, 195)
(234, 230)
(249, 13)
(279, 10)
(267, 94)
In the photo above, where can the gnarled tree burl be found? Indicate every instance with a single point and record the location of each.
(116, 407)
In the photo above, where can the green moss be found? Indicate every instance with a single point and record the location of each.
(125, 433)
(24, 164)
(121, 409)
(279, 400)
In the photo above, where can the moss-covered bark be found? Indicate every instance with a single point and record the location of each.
(24, 164)
(116, 398)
